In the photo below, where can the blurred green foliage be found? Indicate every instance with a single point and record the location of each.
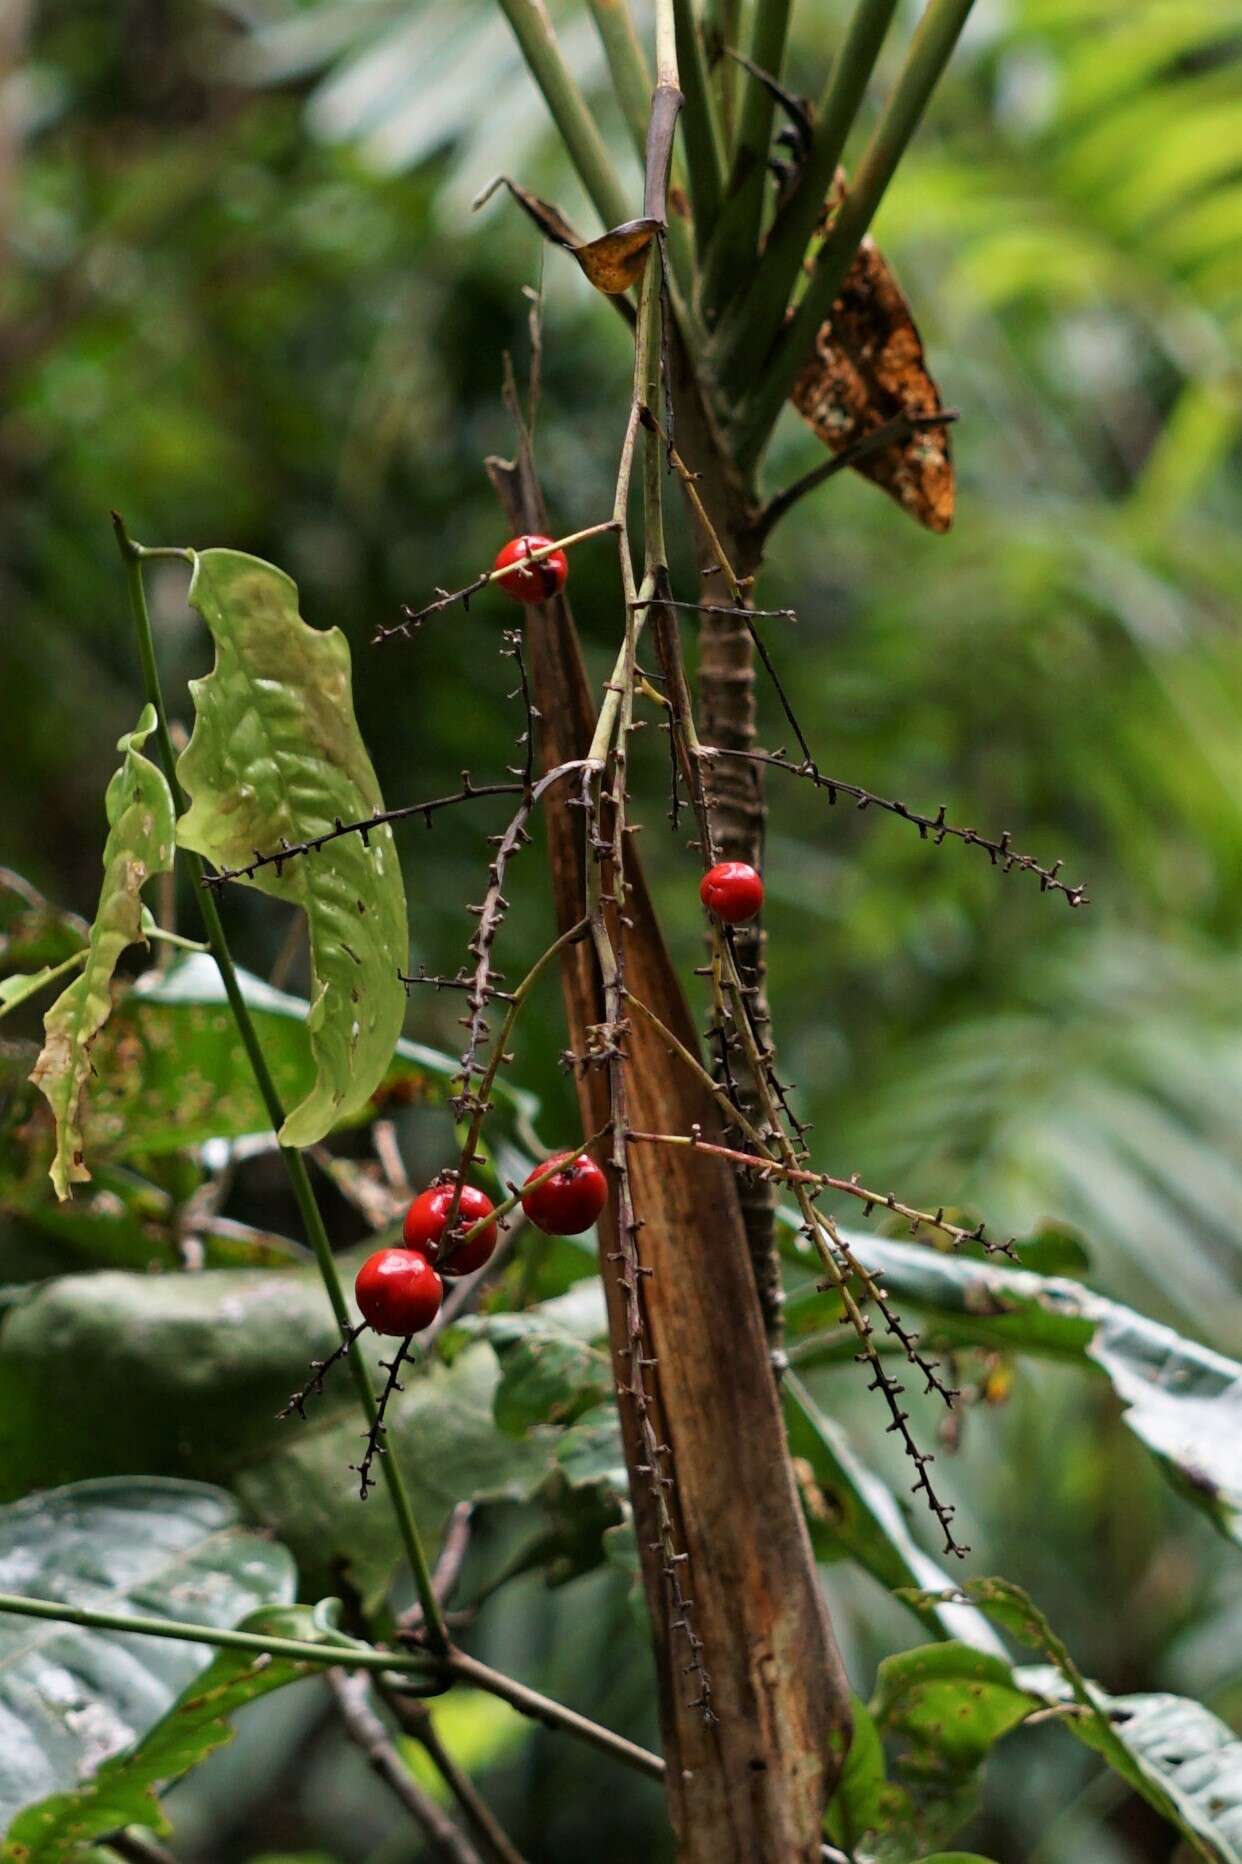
(246, 303)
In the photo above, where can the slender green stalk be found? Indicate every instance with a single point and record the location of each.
(701, 126)
(533, 31)
(352, 1656)
(754, 321)
(735, 242)
(721, 19)
(295, 1165)
(631, 80)
(930, 50)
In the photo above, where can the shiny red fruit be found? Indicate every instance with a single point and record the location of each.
(398, 1291)
(570, 1200)
(532, 582)
(733, 891)
(428, 1215)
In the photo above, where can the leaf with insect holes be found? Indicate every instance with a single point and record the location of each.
(1183, 1400)
(140, 843)
(868, 368)
(276, 755)
(71, 1697)
(613, 262)
(1179, 1756)
(125, 1790)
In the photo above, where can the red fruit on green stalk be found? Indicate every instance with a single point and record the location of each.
(427, 1218)
(732, 891)
(570, 1200)
(398, 1291)
(531, 582)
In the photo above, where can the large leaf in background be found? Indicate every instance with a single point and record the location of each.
(71, 1697)
(1176, 1753)
(276, 755)
(126, 1789)
(851, 1511)
(173, 1072)
(184, 1374)
(1183, 1400)
(140, 843)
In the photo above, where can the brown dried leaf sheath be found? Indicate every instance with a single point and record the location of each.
(868, 367)
(751, 1789)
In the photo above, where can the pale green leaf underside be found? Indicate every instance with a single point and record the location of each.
(69, 1697)
(125, 1791)
(140, 843)
(276, 754)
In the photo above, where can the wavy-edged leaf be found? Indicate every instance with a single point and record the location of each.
(1183, 1400)
(172, 1071)
(140, 843)
(125, 1790)
(276, 755)
(850, 1511)
(70, 1698)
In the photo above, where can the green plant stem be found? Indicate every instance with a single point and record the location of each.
(631, 80)
(295, 1165)
(754, 321)
(701, 126)
(930, 50)
(533, 31)
(735, 242)
(348, 1656)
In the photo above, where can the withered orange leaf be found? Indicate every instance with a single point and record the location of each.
(612, 263)
(869, 367)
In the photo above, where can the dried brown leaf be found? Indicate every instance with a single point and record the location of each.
(868, 368)
(612, 263)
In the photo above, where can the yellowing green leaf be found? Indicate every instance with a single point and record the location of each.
(140, 843)
(276, 754)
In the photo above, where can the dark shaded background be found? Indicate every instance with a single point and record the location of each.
(246, 303)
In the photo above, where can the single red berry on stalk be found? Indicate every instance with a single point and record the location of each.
(733, 891)
(398, 1291)
(427, 1219)
(570, 1200)
(531, 582)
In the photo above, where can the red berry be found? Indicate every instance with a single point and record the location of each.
(428, 1215)
(398, 1291)
(533, 582)
(733, 891)
(570, 1200)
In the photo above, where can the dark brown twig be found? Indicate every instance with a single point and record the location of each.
(352, 1694)
(1000, 850)
(379, 1427)
(319, 1371)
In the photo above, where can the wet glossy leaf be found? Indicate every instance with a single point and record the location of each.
(140, 843)
(276, 755)
(70, 1698)
(1183, 1400)
(125, 1790)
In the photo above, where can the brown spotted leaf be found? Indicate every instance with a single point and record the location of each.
(868, 369)
(612, 263)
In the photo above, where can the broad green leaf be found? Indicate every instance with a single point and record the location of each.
(184, 1374)
(69, 1697)
(21, 985)
(172, 1071)
(1183, 1400)
(550, 1373)
(849, 1510)
(276, 755)
(1174, 1752)
(125, 1790)
(140, 843)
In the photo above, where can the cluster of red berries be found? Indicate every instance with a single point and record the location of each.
(399, 1291)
